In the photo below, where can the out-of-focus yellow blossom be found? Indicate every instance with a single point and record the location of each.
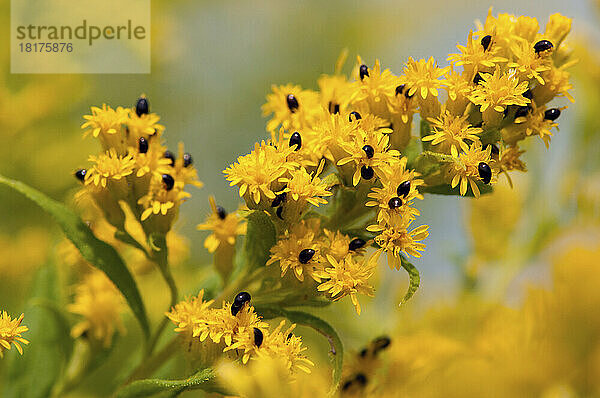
(99, 302)
(270, 378)
(10, 333)
(23, 252)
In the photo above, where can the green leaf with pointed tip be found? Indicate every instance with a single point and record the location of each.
(306, 319)
(260, 237)
(96, 252)
(414, 279)
(202, 380)
(446, 189)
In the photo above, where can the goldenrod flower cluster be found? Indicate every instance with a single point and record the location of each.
(351, 145)
(135, 168)
(238, 330)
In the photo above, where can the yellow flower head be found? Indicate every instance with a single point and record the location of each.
(423, 77)
(347, 277)
(474, 57)
(286, 346)
(395, 197)
(529, 64)
(472, 166)
(395, 239)
(452, 132)
(557, 84)
(163, 195)
(509, 159)
(368, 149)
(258, 173)
(373, 88)
(105, 120)
(334, 130)
(537, 123)
(498, 90)
(299, 250)
(145, 125)
(292, 107)
(307, 148)
(10, 333)
(109, 166)
(457, 86)
(152, 161)
(225, 227)
(184, 171)
(335, 91)
(187, 314)
(302, 186)
(337, 244)
(100, 304)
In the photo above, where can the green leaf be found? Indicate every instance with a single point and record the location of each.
(446, 189)
(260, 237)
(96, 252)
(34, 374)
(414, 279)
(203, 380)
(306, 319)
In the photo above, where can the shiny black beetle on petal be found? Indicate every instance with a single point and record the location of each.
(363, 71)
(141, 106)
(394, 203)
(258, 337)
(80, 174)
(552, 114)
(403, 189)
(485, 172)
(292, 102)
(306, 255)
(542, 45)
(168, 181)
(296, 139)
(485, 42)
(367, 172)
(356, 244)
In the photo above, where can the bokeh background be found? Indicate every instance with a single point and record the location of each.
(213, 63)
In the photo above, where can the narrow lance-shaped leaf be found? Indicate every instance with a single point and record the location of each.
(203, 380)
(413, 279)
(96, 252)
